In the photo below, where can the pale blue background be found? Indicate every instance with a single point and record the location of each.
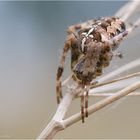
(32, 35)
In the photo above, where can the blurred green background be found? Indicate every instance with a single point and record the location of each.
(32, 36)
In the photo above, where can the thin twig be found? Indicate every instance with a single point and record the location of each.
(55, 124)
(99, 105)
(58, 124)
(66, 80)
(133, 94)
(116, 80)
(110, 94)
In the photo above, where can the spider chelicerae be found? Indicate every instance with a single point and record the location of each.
(93, 45)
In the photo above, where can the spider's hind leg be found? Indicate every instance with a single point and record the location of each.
(86, 104)
(86, 100)
(82, 108)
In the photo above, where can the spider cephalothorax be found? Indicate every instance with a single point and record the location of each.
(92, 46)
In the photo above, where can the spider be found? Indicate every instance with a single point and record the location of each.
(93, 45)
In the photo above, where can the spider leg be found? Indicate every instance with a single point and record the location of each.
(60, 71)
(86, 100)
(86, 104)
(82, 107)
(73, 28)
(80, 26)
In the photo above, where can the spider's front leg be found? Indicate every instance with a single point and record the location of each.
(86, 100)
(60, 69)
(74, 28)
(82, 107)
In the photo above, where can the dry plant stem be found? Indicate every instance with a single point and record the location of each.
(67, 80)
(56, 124)
(116, 80)
(110, 94)
(99, 105)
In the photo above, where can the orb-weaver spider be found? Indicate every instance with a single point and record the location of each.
(92, 45)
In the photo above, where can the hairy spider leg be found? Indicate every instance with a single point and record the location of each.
(80, 26)
(82, 107)
(86, 100)
(60, 71)
(86, 104)
(73, 28)
(68, 45)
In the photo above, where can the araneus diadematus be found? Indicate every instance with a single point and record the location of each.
(92, 45)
